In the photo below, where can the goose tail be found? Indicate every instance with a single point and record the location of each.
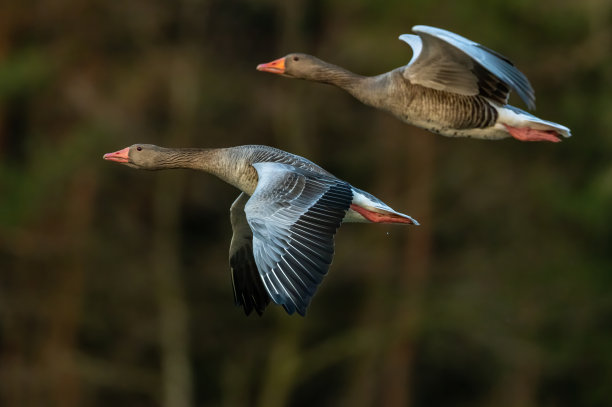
(527, 127)
(367, 208)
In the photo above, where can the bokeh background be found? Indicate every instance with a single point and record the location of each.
(114, 283)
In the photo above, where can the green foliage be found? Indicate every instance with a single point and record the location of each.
(24, 72)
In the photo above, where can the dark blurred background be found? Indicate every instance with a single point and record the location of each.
(114, 283)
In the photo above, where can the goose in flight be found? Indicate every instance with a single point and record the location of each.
(452, 86)
(283, 221)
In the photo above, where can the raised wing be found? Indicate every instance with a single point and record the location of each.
(446, 61)
(294, 215)
(249, 291)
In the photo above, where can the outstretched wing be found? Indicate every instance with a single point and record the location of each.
(446, 61)
(249, 291)
(294, 215)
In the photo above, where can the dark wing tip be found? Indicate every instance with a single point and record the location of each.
(497, 54)
(496, 63)
(514, 78)
(291, 309)
(249, 291)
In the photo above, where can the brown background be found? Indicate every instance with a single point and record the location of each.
(114, 283)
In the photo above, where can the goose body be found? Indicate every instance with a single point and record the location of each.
(283, 221)
(452, 86)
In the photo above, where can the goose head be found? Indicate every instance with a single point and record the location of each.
(298, 66)
(142, 156)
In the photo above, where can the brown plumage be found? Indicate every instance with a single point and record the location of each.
(283, 221)
(452, 86)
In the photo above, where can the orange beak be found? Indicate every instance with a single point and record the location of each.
(121, 156)
(277, 66)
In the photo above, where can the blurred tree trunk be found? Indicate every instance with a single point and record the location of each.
(284, 358)
(165, 260)
(174, 312)
(362, 388)
(292, 124)
(405, 166)
(418, 149)
(183, 85)
(518, 386)
(59, 383)
(284, 361)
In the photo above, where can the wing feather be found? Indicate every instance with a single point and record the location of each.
(294, 214)
(249, 290)
(446, 61)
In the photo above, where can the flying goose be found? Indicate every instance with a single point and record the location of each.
(452, 86)
(283, 221)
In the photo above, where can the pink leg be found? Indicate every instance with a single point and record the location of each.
(527, 134)
(377, 217)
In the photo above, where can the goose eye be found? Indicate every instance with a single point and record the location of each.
(139, 148)
(296, 58)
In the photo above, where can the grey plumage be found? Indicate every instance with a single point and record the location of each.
(452, 86)
(447, 61)
(294, 215)
(284, 220)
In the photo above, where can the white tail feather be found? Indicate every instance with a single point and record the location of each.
(515, 117)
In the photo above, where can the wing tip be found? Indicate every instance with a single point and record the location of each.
(410, 39)
(253, 305)
(422, 27)
(509, 74)
(415, 43)
(292, 309)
